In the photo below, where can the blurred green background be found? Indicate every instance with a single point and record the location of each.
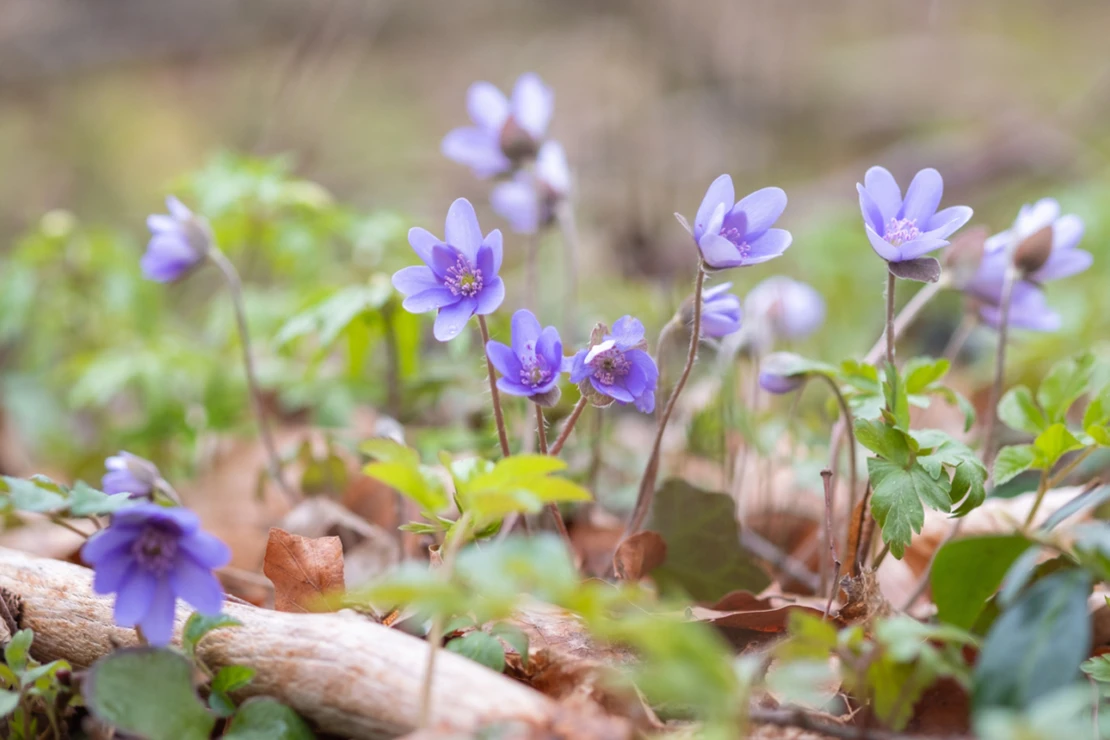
(309, 134)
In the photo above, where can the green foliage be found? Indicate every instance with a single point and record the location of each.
(263, 718)
(199, 625)
(704, 557)
(966, 572)
(480, 647)
(230, 678)
(43, 496)
(28, 689)
(147, 692)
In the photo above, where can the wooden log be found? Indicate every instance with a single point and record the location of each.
(349, 676)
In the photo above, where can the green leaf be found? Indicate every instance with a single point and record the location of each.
(1019, 411)
(1100, 435)
(481, 648)
(1037, 644)
(1053, 443)
(966, 572)
(1097, 668)
(897, 404)
(897, 497)
(517, 484)
(386, 450)
(1013, 461)
(17, 649)
(26, 495)
(263, 718)
(515, 637)
(9, 700)
(968, 485)
(921, 372)
(232, 678)
(884, 440)
(147, 692)
(199, 625)
(415, 482)
(810, 638)
(1065, 382)
(704, 557)
(84, 500)
(333, 316)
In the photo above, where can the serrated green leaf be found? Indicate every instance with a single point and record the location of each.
(515, 637)
(921, 372)
(147, 692)
(17, 649)
(704, 557)
(524, 466)
(1013, 461)
(198, 625)
(386, 450)
(897, 500)
(1097, 668)
(966, 572)
(1019, 411)
(417, 483)
(84, 500)
(883, 440)
(263, 718)
(1053, 443)
(232, 678)
(1065, 382)
(481, 648)
(28, 496)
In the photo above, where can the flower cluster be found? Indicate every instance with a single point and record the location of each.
(150, 556)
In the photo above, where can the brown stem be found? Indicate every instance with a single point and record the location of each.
(906, 317)
(66, 525)
(846, 414)
(495, 395)
(541, 432)
(999, 369)
(452, 546)
(235, 288)
(647, 483)
(826, 478)
(568, 426)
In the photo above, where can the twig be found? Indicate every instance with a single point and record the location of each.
(552, 507)
(235, 288)
(814, 723)
(495, 395)
(826, 478)
(66, 525)
(651, 470)
(853, 474)
(999, 369)
(561, 440)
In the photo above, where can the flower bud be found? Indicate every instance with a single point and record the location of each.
(1034, 250)
(780, 373)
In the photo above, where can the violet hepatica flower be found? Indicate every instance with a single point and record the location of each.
(531, 366)
(505, 130)
(720, 312)
(1028, 310)
(737, 234)
(618, 366)
(783, 308)
(528, 201)
(460, 277)
(150, 556)
(902, 229)
(178, 243)
(131, 474)
(777, 375)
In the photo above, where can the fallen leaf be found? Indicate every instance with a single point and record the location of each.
(748, 621)
(368, 550)
(638, 555)
(302, 569)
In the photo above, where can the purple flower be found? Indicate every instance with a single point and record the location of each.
(1028, 310)
(531, 367)
(907, 228)
(149, 556)
(505, 131)
(618, 367)
(738, 234)
(131, 474)
(778, 375)
(460, 279)
(720, 312)
(178, 243)
(783, 308)
(528, 201)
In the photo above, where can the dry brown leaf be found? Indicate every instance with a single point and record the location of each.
(749, 621)
(944, 709)
(302, 569)
(640, 554)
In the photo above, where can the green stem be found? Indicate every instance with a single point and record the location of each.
(495, 395)
(235, 288)
(1048, 482)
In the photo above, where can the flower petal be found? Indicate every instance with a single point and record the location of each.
(550, 348)
(206, 549)
(111, 572)
(639, 358)
(178, 209)
(415, 279)
(484, 263)
(197, 585)
(516, 202)
(532, 104)
(628, 331)
(762, 208)
(133, 597)
(552, 168)
(1067, 231)
(1033, 218)
(720, 191)
(884, 191)
(422, 241)
(923, 196)
(107, 541)
(911, 250)
(615, 392)
(488, 107)
(504, 359)
(1063, 263)
(157, 623)
(872, 214)
(514, 387)
(429, 300)
(526, 331)
(491, 297)
(462, 230)
(882, 247)
(476, 149)
(577, 367)
(494, 241)
(947, 220)
(646, 402)
(451, 320)
(718, 252)
(771, 244)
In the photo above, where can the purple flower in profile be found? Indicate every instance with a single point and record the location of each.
(738, 234)
(1028, 310)
(460, 279)
(505, 130)
(531, 366)
(178, 243)
(131, 474)
(528, 201)
(783, 308)
(720, 312)
(902, 229)
(149, 556)
(618, 367)
(778, 374)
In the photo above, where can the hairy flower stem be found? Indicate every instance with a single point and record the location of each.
(452, 544)
(495, 395)
(568, 426)
(846, 414)
(665, 335)
(999, 369)
(651, 471)
(564, 215)
(541, 432)
(891, 283)
(235, 288)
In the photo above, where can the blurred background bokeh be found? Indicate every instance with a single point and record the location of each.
(309, 134)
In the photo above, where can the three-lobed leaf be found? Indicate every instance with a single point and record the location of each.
(898, 498)
(1053, 443)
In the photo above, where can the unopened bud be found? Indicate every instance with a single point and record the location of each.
(516, 143)
(1034, 250)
